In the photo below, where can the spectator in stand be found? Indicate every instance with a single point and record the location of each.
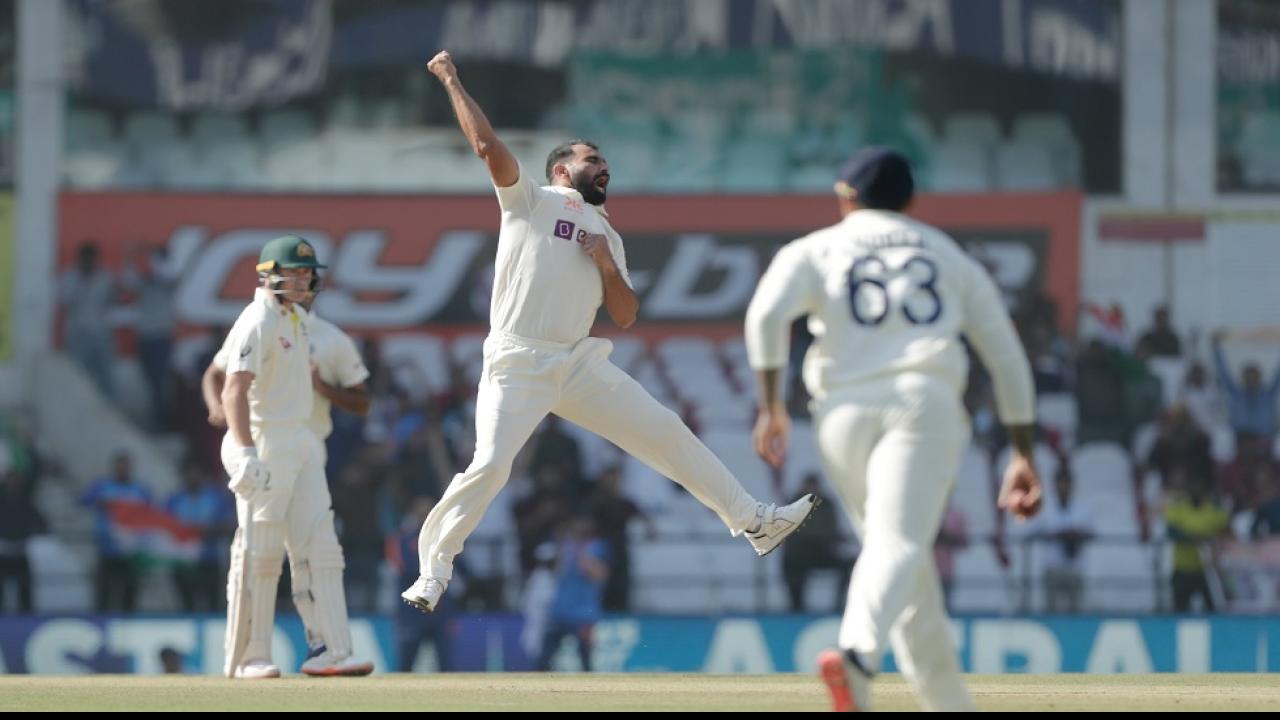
(1251, 404)
(356, 498)
(172, 661)
(1181, 444)
(581, 572)
(557, 447)
(1202, 399)
(385, 408)
(1237, 481)
(1064, 527)
(18, 451)
(1266, 519)
(535, 601)
(1143, 391)
(1109, 324)
(414, 627)
(153, 280)
(1115, 392)
(425, 460)
(20, 521)
(816, 546)
(1161, 338)
(613, 513)
(1050, 354)
(1100, 396)
(1193, 521)
(538, 514)
(208, 506)
(86, 293)
(117, 578)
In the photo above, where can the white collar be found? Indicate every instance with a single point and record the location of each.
(874, 212)
(271, 301)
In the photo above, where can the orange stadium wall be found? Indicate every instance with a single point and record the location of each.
(402, 263)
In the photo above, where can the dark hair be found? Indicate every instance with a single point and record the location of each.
(566, 150)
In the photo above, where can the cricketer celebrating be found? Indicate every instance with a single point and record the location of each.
(558, 260)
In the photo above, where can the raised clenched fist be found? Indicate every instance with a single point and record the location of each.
(442, 66)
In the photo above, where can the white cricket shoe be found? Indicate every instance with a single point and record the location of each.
(425, 592)
(776, 523)
(849, 684)
(327, 665)
(257, 669)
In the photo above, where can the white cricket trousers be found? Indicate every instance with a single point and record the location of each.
(521, 382)
(292, 512)
(891, 450)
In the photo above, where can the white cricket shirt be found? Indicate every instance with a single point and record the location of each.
(545, 286)
(887, 295)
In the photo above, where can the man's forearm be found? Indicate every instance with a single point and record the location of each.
(769, 383)
(235, 402)
(211, 387)
(619, 299)
(238, 420)
(1022, 437)
(354, 400)
(471, 119)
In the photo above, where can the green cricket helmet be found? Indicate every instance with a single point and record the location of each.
(288, 251)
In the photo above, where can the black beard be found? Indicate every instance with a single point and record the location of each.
(590, 193)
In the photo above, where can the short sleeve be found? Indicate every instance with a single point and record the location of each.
(519, 198)
(244, 349)
(351, 370)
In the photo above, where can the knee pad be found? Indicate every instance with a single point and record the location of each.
(326, 552)
(265, 548)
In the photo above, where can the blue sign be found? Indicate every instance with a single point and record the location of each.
(106, 644)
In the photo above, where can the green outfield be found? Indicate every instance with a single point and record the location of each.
(621, 692)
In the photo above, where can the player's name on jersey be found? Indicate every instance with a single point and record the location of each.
(898, 238)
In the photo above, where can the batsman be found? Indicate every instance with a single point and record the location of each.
(276, 466)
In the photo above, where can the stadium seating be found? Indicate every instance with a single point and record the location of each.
(374, 145)
(981, 585)
(1025, 165)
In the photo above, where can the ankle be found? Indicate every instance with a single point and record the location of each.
(859, 664)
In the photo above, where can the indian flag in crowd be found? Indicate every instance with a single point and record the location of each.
(152, 535)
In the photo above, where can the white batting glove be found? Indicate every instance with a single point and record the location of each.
(250, 474)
